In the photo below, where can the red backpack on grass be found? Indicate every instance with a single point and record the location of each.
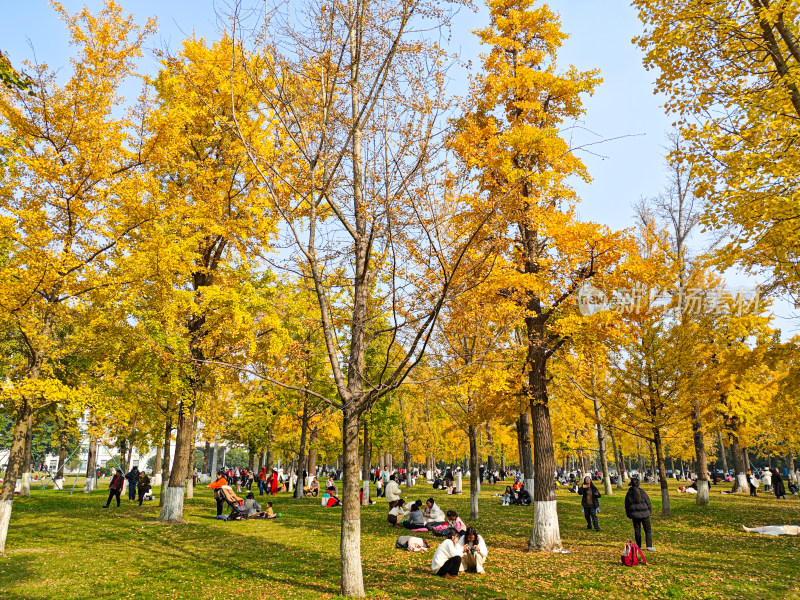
(632, 555)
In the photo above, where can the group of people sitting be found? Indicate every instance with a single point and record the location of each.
(428, 518)
(516, 494)
(460, 552)
(241, 508)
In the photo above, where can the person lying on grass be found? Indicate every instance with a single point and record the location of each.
(447, 558)
(774, 529)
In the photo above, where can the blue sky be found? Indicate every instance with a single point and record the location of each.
(623, 170)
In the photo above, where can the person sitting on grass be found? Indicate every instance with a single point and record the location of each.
(313, 488)
(432, 513)
(415, 520)
(329, 499)
(509, 496)
(270, 512)
(475, 551)
(455, 522)
(397, 513)
(252, 508)
(447, 558)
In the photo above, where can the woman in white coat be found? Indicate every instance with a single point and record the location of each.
(474, 551)
(432, 512)
(447, 558)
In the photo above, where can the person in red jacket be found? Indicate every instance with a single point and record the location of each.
(115, 488)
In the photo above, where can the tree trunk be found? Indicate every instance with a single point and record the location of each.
(157, 466)
(702, 459)
(172, 508)
(740, 485)
(206, 455)
(301, 462)
(165, 467)
(91, 467)
(617, 459)
(526, 458)
(190, 468)
(662, 471)
(25, 491)
(16, 458)
(490, 466)
(790, 466)
(312, 452)
(653, 466)
(546, 534)
(365, 466)
(722, 452)
(474, 481)
(214, 457)
(129, 460)
(62, 451)
(352, 582)
(601, 443)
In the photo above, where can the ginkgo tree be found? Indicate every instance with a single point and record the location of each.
(72, 193)
(511, 139)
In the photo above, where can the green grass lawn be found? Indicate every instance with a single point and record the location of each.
(68, 547)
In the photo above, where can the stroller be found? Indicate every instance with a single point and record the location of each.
(237, 509)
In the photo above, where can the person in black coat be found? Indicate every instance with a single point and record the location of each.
(777, 485)
(639, 509)
(590, 496)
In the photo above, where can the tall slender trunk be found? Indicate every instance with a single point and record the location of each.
(722, 453)
(739, 468)
(91, 466)
(490, 466)
(526, 457)
(662, 471)
(62, 451)
(474, 481)
(601, 443)
(16, 458)
(790, 465)
(653, 465)
(25, 491)
(165, 467)
(157, 465)
(172, 508)
(215, 457)
(617, 459)
(702, 459)
(352, 581)
(312, 452)
(301, 462)
(365, 466)
(206, 455)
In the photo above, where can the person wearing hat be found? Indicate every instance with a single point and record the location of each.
(115, 487)
(638, 509)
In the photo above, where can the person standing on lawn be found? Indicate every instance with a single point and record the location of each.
(143, 484)
(115, 488)
(132, 477)
(639, 509)
(590, 496)
(217, 487)
(777, 485)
